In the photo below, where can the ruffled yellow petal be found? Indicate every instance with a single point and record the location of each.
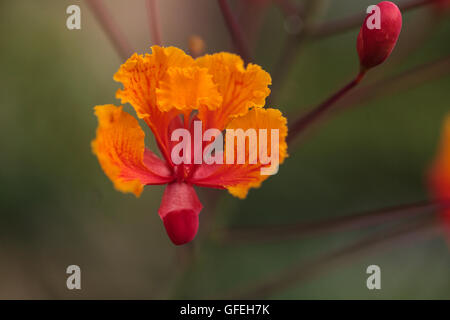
(140, 76)
(119, 147)
(187, 89)
(259, 118)
(241, 88)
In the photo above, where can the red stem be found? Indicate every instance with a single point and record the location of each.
(289, 8)
(304, 271)
(312, 116)
(235, 30)
(113, 32)
(152, 12)
(335, 224)
(410, 78)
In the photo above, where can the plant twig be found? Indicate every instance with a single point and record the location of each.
(152, 12)
(290, 51)
(346, 223)
(308, 119)
(289, 8)
(302, 272)
(306, 18)
(407, 79)
(311, 32)
(235, 31)
(111, 29)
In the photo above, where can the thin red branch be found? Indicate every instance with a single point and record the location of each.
(305, 271)
(308, 119)
(338, 224)
(235, 31)
(289, 8)
(293, 42)
(111, 29)
(354, 21)
(418, 75)
(407, 79)
(152, 11)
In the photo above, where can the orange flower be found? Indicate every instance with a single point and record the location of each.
(440, 174)
(170, 90)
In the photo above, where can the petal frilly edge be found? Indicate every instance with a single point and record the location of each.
(241, 88)
(120, 149)
(239, 178)
(140, 76)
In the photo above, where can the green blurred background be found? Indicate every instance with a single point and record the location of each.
(57, 208)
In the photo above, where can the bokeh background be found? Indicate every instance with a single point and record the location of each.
(57, 208)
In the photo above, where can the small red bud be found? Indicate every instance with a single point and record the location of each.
(379, 34)
(179, 211)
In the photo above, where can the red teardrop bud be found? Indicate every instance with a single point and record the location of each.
(179, 211)
(379, 34)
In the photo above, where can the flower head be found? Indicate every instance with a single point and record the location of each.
(439, 175)
(379, 34)
(176, 95)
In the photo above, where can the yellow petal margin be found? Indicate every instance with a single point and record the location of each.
(259, 118)
(241, 88)
(140, 76)
(119, 147)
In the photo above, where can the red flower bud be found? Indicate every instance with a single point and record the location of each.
(179, 211)
(379, 34)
